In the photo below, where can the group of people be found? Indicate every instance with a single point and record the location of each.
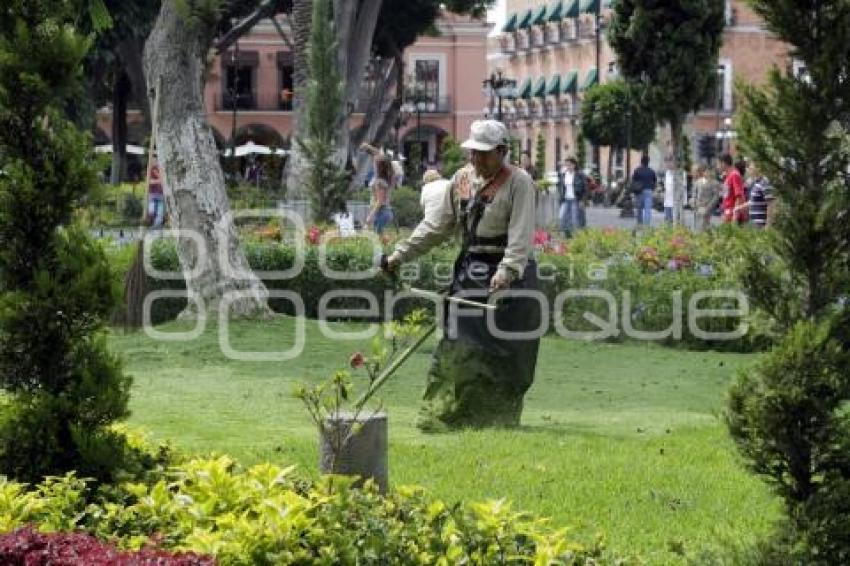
(743, 195)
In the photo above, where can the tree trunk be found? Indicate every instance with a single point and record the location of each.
(678, 188)
(130, 53)
(378, 119)
(612, 150)
(174, 61)
(297, 167)
(120, 93)
(354, 23)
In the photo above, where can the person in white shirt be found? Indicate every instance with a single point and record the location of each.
(433, 194)
(572, 186)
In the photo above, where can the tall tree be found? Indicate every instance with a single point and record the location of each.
(62, 387)
(175, 62)
(671, 48)
(789, 414)
(326, 180)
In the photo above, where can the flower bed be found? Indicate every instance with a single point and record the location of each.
(644, 277)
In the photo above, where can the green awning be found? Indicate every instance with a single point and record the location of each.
(571, 11)
(525, 21)
(556, 11)
(540, 88)
(510, 25)
(554, 86)
(524, 91)
(540, 16)
(588, 6)
(591, 79)
(568, 84)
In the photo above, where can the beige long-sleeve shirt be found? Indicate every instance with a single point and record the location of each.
(511, 212)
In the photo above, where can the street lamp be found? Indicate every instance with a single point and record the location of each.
(234, 93)
(498, 87)
(719, 105)
(417, 102)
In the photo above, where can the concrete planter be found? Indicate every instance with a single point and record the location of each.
(356, 447)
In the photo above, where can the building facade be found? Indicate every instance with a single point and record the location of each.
(555, 50)
(249, 89)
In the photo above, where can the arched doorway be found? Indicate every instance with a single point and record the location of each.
(430, 141)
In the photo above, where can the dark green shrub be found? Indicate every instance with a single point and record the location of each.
(406, 209)
(63, 386)
(601, 260)
(789, 415)
(131, 208)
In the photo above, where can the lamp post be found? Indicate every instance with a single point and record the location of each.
(597, 25)
(498, 87)
(417, 102)
(234, 92)
(719, 106)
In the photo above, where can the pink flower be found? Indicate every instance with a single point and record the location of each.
(541, 237)
(357, 360)
(314, 235)
(677, 241)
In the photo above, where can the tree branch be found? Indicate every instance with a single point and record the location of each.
(283, 35)
(266, 9)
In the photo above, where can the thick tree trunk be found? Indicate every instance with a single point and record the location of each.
(174, 60)
(678, 187)
(120, 93)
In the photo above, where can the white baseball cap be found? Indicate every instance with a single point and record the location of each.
(486, 135)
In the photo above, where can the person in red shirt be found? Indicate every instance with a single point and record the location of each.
(156, 197)
(733, 192)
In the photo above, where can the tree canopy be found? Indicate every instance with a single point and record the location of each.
(613, 112)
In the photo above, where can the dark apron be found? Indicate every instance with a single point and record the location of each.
(477, 379)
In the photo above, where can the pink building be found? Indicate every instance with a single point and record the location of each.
(248, 93)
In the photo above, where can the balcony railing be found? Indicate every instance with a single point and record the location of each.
(263, 102)
(442, 105)
(508, 43)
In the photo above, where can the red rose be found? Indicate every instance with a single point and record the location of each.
(356, 360)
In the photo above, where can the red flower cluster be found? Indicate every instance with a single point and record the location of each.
(314, 235)
(27, 547)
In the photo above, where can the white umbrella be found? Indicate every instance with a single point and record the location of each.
(248, 149)
(132, 149)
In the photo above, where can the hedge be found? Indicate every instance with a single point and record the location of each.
(641, 273)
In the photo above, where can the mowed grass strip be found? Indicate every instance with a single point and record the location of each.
(625, 440)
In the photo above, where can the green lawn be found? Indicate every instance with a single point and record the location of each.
(619, 439)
